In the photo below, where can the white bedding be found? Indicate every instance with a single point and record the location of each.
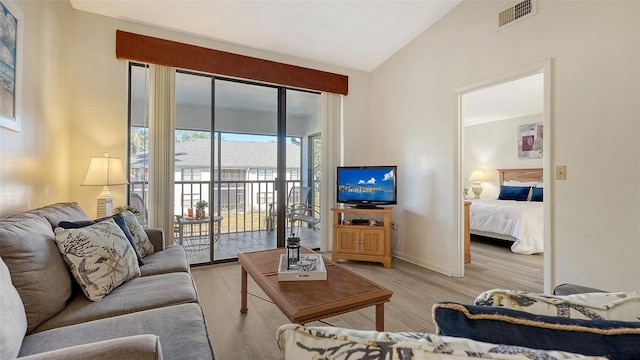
(523, 220)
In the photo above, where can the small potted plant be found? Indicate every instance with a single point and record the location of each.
(200, 206)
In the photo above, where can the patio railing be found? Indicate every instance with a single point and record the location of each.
(243, 205)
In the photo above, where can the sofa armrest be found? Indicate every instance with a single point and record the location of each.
(130, 347)
(570, 289)
(156, 236)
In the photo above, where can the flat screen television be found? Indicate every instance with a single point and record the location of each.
(367, 186)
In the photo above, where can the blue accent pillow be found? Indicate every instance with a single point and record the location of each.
(518, 193)
(611, 339)
(536, 194)
(118, 218)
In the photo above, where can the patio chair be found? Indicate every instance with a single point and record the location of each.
(304, 214)
(298, 196)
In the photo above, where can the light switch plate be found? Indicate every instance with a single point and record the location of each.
(561, 172)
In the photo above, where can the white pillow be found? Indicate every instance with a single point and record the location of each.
(99, 256)
(139, 235)
(520, 183)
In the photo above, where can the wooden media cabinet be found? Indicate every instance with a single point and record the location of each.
(362, 241)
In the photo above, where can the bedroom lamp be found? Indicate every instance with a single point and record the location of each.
(105, 171)
(477, 176)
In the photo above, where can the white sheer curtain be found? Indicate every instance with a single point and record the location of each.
(331, 157)
(162, 121)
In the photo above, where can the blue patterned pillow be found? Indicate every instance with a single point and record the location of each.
(118, 218)
(518, 193)
(536, 194)
(608, 338)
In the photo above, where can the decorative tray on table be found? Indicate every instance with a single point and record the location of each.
(310, 267)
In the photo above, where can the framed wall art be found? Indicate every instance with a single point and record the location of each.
(530, 138)
(11, 33)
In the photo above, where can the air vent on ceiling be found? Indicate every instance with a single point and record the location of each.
(517, 12)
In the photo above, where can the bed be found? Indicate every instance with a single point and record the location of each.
(519, 221)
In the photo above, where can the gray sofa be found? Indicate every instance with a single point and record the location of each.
(154, 316)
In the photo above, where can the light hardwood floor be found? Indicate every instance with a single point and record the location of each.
(415, 290)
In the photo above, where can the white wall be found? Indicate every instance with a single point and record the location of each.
(492, 146)
(594, 47)
(100, 93)
(34, 161)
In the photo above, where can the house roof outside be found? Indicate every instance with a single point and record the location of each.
(235, 154)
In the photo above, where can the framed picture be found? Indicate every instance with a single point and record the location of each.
(530, 138)
(11, 32)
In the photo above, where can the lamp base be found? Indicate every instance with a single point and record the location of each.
(105, 203)
(477, 189)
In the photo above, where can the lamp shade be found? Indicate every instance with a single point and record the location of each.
(105, 171)
(477, 176)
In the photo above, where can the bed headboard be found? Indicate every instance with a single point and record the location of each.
(532, 174)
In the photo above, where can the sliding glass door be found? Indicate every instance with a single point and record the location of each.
(244, 154)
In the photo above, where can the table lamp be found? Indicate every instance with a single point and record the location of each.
(477, 176)
(105, 171)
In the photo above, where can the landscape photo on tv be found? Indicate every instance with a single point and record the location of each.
(366, 184)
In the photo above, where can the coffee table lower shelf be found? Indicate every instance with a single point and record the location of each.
(306, 301)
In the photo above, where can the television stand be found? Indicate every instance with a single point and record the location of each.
(361, 241)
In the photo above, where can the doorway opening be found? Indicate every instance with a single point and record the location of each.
(497, 118)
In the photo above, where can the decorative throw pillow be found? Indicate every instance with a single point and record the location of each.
(118, 218)
(99, 257)
(608, 338)
(518, 193)
(299, 342)
(622, 306)
(13, 326)
(139, 235)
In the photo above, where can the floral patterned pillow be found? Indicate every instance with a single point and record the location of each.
(621, 306)
(300, 342)
(139, 235)
(99, 256)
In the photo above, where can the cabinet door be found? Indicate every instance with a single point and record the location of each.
(372, 242)
(347, 241)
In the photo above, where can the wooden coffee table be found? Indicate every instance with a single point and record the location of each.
(306, 301)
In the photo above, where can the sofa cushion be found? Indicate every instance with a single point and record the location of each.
(623, 306)
(139, 235)
(67, 211)
(139, 294)
(99, 257)
(13, 326)
(118, 218)
(611, 339)
(297, 342)
(181, 329)
(37, 270)
(172, 259)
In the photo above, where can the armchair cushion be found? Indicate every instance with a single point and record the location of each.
(611, 339)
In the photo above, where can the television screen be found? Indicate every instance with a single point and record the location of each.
(366, 186)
